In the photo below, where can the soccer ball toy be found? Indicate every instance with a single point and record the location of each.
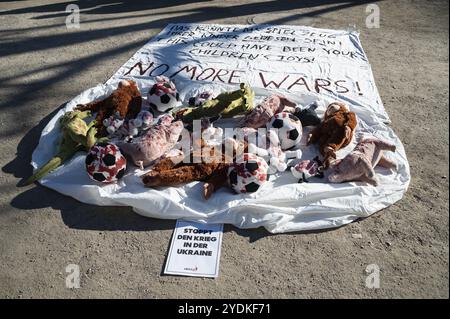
(248, 174)
(105, 163)
(163, 96)
(289, 129)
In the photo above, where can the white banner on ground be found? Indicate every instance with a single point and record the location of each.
(294, 59)
(302, 63)
(195, 250)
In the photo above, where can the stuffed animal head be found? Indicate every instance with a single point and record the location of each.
(163, 96)
(334, 108)
(165, 119)
(130, 86)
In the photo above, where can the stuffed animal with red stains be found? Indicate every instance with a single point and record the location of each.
(124, 102)
(265, 111)
(306, 169)
(334, 132)
(163, 96)
(359, 164)
(156, 141)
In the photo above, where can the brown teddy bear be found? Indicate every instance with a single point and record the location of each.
(334, 132)
(125, 101)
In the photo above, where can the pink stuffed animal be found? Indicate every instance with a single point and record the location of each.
(263, 112)
(359, 164)
(157, 140)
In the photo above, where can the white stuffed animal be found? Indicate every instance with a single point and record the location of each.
(141, 123)
(113, 124)
(268, 146)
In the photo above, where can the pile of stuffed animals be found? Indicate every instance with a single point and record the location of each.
(150, 134)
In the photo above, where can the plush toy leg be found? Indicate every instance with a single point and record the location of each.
(387, 163)
(93, 106)
(329, 155)
(276, 165)
(169, 161)
(370, 180)
(252, 148)
(383, 145)
(289, 109)
(51, 165)
(293, 154)
(286, 102)
(338, 139)
(216, 181)
(163, 165)
(369, 175)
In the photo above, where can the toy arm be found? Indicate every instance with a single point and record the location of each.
(369, 175)
(384, 145)
(287, 105)
(387, 163)
(92, 106)
(216, 181)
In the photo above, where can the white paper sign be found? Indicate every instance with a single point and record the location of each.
(195, 250)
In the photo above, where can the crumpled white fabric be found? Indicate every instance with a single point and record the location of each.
(281, 205)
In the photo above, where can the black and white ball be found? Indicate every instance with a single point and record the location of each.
(163, 96)
(105, 163)
(248, 173)
(288, 127)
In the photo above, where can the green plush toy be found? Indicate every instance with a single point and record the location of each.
(76, 136)
(226, 105)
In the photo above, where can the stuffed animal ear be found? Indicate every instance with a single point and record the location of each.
(124, 83)
(308, 116)
(331, 109)
(313, 106)
(286, 102)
